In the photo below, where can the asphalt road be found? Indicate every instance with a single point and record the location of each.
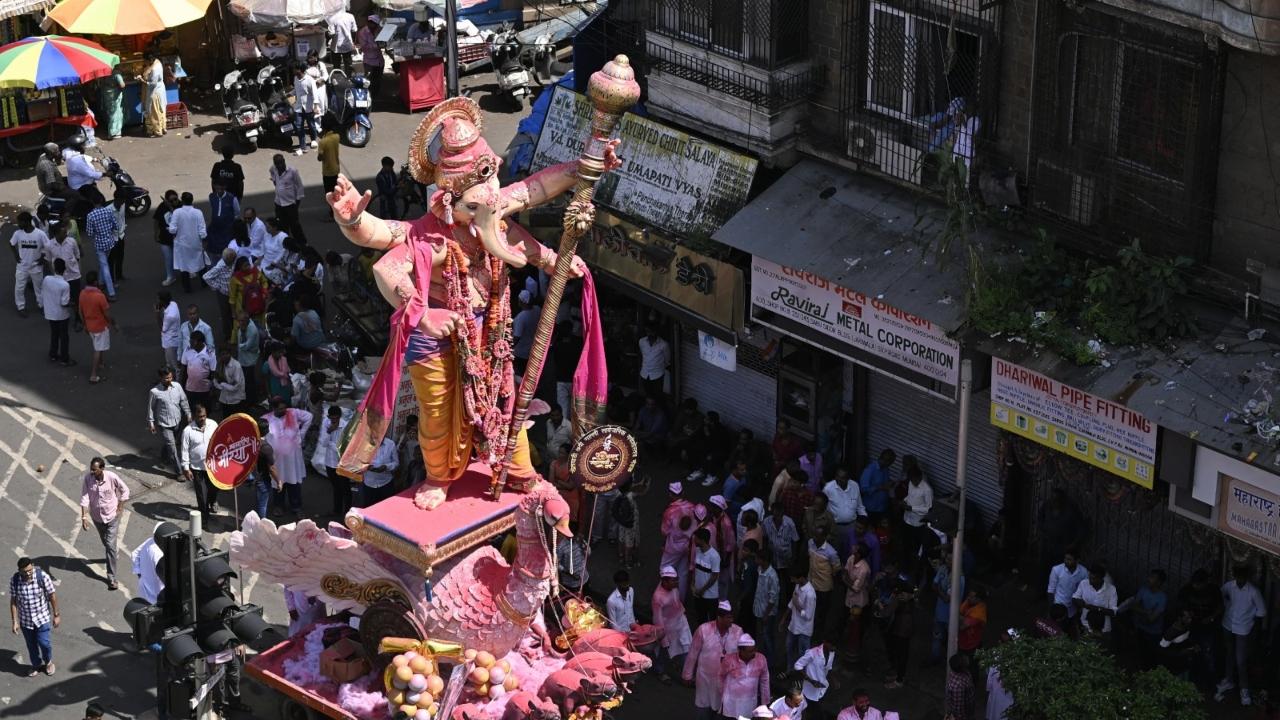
(52, 421)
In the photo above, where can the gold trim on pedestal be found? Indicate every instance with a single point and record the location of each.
(426, 556)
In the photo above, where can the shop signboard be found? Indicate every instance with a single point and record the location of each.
(865, 329)
(703, 285)
(1249, 512)
(1087, 427)
(668, 178)
(717, 352)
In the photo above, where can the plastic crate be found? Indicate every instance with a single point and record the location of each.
(175, 116)
(472, 52)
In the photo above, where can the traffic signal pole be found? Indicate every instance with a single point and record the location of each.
(193, 537)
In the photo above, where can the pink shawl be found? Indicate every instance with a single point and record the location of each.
(362, 436)
(591, 379)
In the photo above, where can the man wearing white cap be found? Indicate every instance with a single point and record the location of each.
(371, 53)
(760, 713)
(723, 540)
(523, 328)
(744, 680)
(668, 612)
(711, 643)
(677, 534)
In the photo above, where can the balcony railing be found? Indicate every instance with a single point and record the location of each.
(764, 33)
(772, 93)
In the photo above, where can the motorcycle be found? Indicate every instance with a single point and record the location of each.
(138, 200)
(516, 64)
(349, 102)
(273, 98)
(240, 106)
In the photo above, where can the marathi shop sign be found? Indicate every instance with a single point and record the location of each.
(1248, 512)
(677, 182)
(1093, 429)
(866, 330)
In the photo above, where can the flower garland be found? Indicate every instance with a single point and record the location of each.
(485, 352)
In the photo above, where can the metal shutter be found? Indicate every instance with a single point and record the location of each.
(913, 422)
(744, 398)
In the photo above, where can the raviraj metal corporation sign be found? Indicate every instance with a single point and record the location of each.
(867, 329)
(668, 179)
(1087, 427)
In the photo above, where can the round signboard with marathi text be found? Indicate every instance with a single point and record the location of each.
(233, 451)
(602, 457)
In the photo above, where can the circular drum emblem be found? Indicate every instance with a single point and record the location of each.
(233, 451)
(603, 456)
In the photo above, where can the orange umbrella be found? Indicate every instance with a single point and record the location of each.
(126, 17)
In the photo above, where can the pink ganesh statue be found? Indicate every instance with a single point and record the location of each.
(447, 275)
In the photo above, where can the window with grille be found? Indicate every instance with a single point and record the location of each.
(715, 23)
(764, 33)
(1131, 103)
(917, 65)
(1124, 128)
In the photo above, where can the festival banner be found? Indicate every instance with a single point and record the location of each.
(668, 178)
(863, 324)
(233, 451)
(1087, 427)
(1249, 513)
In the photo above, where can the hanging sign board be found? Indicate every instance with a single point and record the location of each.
(1098, 431)
(668, 178)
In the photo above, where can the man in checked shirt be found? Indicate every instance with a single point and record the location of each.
(33, 606)
(102, 226)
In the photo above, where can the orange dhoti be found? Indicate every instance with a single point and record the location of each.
(444, 432)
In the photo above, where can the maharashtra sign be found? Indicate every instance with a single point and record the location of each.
(668, 178)
(1249, 513)
(1098, 431)
(862, 324)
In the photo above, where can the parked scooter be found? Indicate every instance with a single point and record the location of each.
(349, 102)
(240, 105)
(516, 64)
(273, 97)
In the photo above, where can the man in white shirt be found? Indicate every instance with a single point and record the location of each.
(799, 614)
(376, 486)
(559, 432)
(342, 26)
(306, 105)
(194, 324)
(621, 602)
(28, 243)
(844, 501)
(706, 576)
(288, 195)
(56, 246)
(229, 382)
(655, 356)
(170, 327)
(815, 664)
(144, 558)
(1064, 578)
(191, 452)
(82, 176)
(1242, 605)
(186, 224)
(915, 507)
(1096, 595)
(56, 295)
(325, 459)
(257, 231)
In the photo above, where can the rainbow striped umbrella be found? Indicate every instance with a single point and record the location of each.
(126, 17)
(53, 61)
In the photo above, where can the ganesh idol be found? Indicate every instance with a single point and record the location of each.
(446, 273)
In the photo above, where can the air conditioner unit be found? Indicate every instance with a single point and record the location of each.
(873, 146)
(1067, 193)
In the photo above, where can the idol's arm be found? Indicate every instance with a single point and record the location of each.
(544, 185)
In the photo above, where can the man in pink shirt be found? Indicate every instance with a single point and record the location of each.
(860, 709)
(744, 680)
(712, 641)
(102, 498)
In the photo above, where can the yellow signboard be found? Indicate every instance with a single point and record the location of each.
(1077, 446)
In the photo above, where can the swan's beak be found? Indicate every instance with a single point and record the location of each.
(562, 527)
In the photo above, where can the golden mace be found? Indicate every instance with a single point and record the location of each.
(612, 91)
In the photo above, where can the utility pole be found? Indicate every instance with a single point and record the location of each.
(451, 48)
(957, 549)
